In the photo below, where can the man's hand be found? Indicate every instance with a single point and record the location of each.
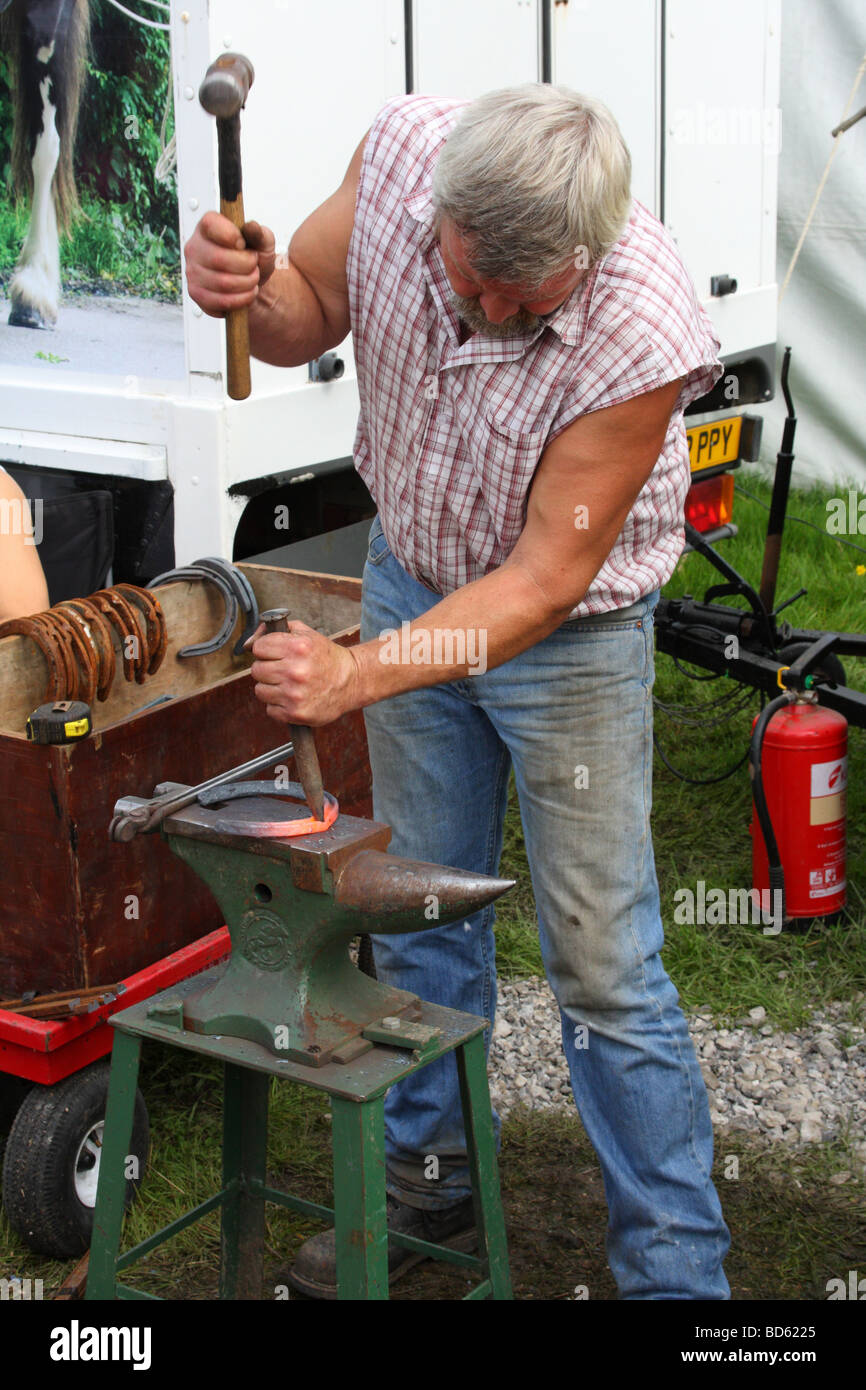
(298, 310)
(302, 677)
(224, 268)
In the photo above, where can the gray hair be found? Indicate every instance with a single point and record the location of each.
(534, 177)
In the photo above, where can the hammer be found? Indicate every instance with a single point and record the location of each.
(222, 93)
(306, 757)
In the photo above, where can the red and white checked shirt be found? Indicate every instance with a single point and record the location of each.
(449, 436)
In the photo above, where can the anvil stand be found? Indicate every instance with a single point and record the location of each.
(290, 1004)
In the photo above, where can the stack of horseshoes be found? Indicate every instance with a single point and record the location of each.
(76, 641)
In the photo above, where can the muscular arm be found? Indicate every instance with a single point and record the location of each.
(601, 462)
(298, 311)
(22, 583)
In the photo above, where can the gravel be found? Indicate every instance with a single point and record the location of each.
(807, 1086)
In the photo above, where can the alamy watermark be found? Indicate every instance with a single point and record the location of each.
(83, 1343)
(18, 517)
(718, 907)
(438, 646)
(727, 125)
(854, 1288)
(846, 516)
(18, 1290)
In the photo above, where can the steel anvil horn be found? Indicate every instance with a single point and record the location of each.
(406, 895)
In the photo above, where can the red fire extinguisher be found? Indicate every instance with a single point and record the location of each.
(799, 766)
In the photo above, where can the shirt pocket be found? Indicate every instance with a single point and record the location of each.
(508, 453)
(505, 460)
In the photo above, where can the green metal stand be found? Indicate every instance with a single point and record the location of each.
(357, 1090)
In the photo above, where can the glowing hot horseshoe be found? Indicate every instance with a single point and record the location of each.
(287, 830)
(273, 829)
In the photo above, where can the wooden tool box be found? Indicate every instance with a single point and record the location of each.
(77, 909)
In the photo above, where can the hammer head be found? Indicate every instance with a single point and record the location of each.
(226, 84)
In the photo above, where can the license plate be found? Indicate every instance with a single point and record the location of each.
(710, 445)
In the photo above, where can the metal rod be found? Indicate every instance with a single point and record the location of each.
(779, 499)
(306, 757)
(136, 820)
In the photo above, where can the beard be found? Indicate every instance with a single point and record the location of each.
(472, 314)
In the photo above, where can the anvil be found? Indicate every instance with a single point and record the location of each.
(292, 907)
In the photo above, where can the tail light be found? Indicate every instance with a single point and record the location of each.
(710, 503)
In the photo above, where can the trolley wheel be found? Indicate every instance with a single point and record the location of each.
(830, 669)
(52, 1158)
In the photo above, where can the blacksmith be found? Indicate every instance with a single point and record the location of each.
(526, 338)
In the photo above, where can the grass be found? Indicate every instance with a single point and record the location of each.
(701, 832)
(107, 252)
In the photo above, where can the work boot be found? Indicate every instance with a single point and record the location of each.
(315, 1269)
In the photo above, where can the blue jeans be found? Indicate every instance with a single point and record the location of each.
(573, 715)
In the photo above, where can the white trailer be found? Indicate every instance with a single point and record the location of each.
(700, 116)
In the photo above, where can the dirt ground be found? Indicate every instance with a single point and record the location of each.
(791, 1230)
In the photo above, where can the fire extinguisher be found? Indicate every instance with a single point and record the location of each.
(799, 767)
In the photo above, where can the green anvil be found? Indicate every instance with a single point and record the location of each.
(293, 906)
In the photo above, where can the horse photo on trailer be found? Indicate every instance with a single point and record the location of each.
(46, 45)
(88, 162)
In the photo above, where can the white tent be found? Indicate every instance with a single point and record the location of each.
(822, 315)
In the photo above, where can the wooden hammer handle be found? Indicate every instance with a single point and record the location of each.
(237, 322)
(232, 207)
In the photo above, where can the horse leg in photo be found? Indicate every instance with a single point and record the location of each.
(35, 287)
(46, 43)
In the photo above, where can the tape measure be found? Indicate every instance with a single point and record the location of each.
(64, 721)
